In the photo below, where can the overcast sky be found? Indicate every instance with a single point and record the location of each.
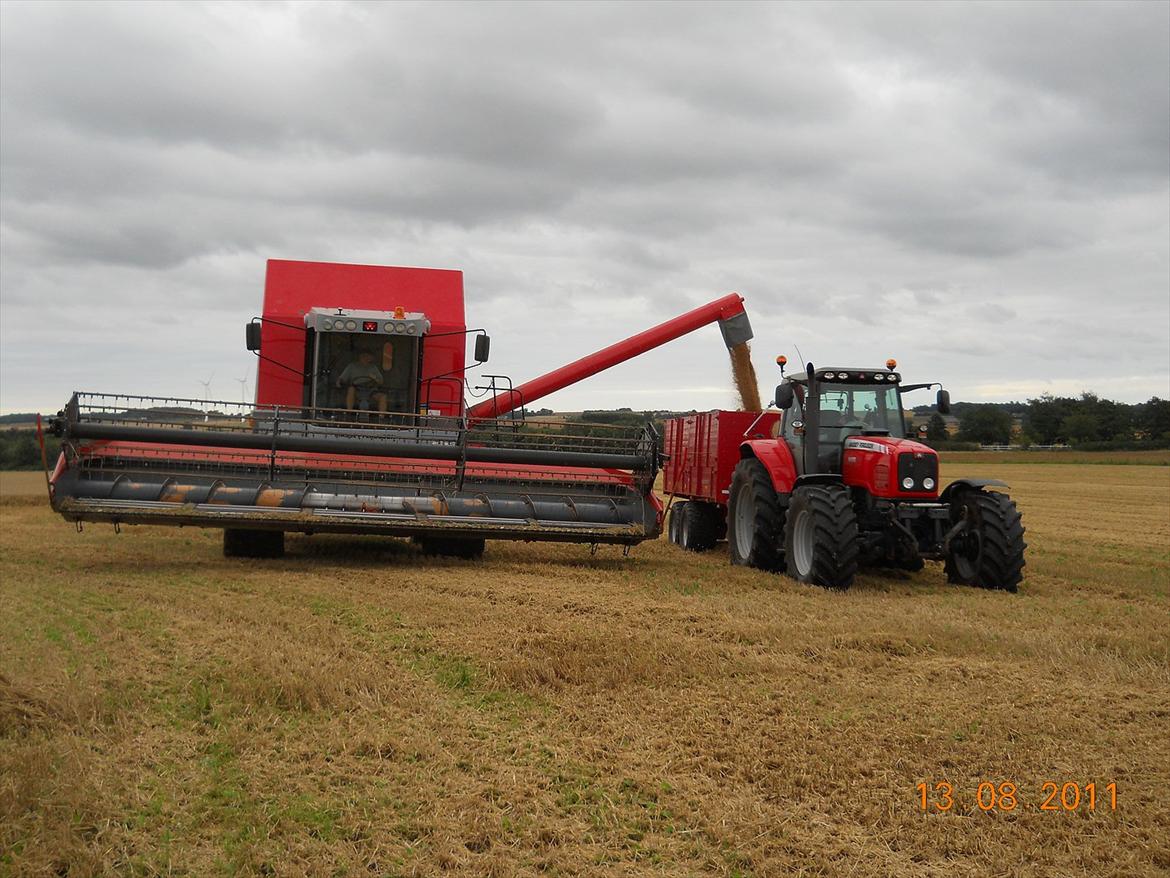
(982, 191)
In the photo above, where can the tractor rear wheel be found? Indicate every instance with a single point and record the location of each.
(990, 552)
(698, 526)
(755, 519)
(821, 538)
(241, 543)
(452, 547)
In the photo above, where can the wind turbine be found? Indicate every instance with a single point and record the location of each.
(243, 392)
(206, 392)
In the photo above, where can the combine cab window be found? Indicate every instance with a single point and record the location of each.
(380, 369)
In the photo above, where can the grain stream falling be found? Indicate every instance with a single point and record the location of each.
(744, 374)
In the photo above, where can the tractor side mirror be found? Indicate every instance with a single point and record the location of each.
(944, 403)
(483, 346)
(252, 336)
(784, 395)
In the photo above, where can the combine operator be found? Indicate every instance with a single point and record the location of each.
(363, 382)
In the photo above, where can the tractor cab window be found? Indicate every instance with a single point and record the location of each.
(847, 409)
(364, 372)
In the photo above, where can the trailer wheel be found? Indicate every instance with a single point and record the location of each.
(240, 543)
(698, 526)
(990, 552)
(821, 536)
(755, 519)
(452, 547)
(674, 528)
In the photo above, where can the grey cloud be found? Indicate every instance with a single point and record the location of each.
(861, 173)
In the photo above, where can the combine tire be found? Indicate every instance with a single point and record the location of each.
(990, 553)
(821, 537)
(698, 527)
(451, 547)
(755, 519)
(238, 543)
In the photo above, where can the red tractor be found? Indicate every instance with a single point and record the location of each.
(834, 481)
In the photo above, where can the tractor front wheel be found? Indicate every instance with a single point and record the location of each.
(989, 551)
(241, 543)
(821, 538)
(755, 519)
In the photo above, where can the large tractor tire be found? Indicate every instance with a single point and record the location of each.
(821, 536)
(241, 543)
(452, 547)
(990, 552)
(755, 519)
(698, 527)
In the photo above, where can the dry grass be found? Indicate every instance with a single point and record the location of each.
(357, 709)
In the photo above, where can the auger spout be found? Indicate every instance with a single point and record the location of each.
(728, 312)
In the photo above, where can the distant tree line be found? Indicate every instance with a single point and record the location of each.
(19, 449)
(1086, 420)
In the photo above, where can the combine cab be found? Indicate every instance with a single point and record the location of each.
(360, 426)
(834, 482)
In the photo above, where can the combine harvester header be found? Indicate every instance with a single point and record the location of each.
(361, 425)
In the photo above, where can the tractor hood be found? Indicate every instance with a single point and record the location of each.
(890, 467)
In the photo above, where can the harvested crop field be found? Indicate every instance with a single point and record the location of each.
(356, 709)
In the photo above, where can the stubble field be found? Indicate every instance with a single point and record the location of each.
(355, 709)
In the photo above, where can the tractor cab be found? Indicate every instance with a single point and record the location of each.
(850, 423)
(837, 404)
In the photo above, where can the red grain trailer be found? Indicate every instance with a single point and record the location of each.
(702, 452)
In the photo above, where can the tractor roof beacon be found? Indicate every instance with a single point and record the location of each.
(833, 482)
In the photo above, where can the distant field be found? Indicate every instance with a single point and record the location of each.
(1160, 457)
(355, 709)
(30, 483)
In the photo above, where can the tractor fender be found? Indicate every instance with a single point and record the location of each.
(776, 457)
(966, 485)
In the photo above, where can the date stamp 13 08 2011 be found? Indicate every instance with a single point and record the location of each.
(939, 797)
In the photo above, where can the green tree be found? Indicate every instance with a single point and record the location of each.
(1044, 416)
(936, 429)
(1082, 426)
(985, 424)
(1153, 418)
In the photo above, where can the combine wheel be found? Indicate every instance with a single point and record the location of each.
(698, 527)
(755, 520)
(452, 547)
(238, 543)
(821, 536)
(989, 553)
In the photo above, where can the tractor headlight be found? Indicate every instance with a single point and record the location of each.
(928, 483)
(328, 324)
(351, 324)
(907, 484)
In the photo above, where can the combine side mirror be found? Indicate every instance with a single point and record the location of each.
(944, 403)
(252, 336)
(784, 395)
(483, 346)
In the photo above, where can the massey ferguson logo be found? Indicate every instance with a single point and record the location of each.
(865, 445)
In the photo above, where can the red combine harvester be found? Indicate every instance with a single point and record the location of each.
(360, 426)
(833, 481)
